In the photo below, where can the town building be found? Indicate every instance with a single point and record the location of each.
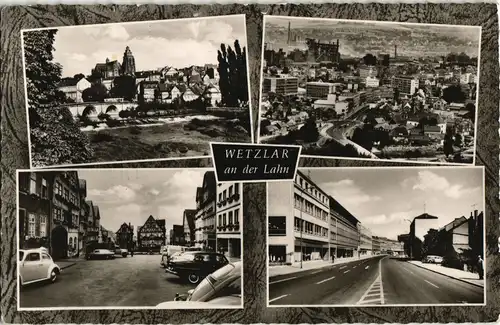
(367, 71)
(321, 90)
(344, 233)
(376, 245)
(372, 82)
(406, 85)
(151, 235)
(281, 85)
(188, 222)
(125, 235)
(323, 52)
(84, 215)
(73, 88)
(177, 235)
(148, 91)
(110, 69)
(128, 63)
(34, 209)
(467, 78)
(298, 221)
(229, 216)
(205, 224)
(365, 240)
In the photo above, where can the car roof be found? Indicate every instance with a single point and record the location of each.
(34, 250)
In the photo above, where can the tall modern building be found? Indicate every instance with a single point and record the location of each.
(298, 220)
(281, 85)
(321, 90)
(365, 240)
(229, 215)
(407, 85)
(319, 51)
(128, 64)
(344, 233)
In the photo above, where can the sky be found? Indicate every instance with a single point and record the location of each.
(178, 43)
(133, 195)
(382, 198)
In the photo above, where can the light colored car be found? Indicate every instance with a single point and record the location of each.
(101, 253)
(121, 251)
(36, 265)
(433, 259)
(221, 288)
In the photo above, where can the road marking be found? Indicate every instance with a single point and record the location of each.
(283, 280)
(316, 272)
(354, 267)
(325, 280)
(346, 271)
(343, 267)
(373, 291)
(366, 268)
(382, 298)
(274, 299)
(432, 284)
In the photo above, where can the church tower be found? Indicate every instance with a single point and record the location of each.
(128, 64)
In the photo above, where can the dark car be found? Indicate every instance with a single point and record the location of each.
(195, 266)
(103, 254)
(223, 288)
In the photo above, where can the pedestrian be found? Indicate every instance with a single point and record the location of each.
(480, 267)
(333, 259)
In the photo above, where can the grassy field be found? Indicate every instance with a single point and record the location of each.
(174, 140)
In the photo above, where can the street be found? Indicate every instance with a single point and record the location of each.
(122, 282)
(375, 281)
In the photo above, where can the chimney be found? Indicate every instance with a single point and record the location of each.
(475, 214)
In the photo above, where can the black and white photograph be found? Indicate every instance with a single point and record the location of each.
(136, 91)
(338, 238)
(370, 90)
(128, 239)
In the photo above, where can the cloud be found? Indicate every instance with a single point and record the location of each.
(117, 32)
(154, 192)
(348, 193)
(135, 186)
(114, 216)
(429, 181)
(115, 193)
(78, 56)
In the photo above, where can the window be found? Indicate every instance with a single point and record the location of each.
(220, 197)
(45, 191)
(43, 226)
(230, 217)
(66, 193)
(277, 226)
(58, 188)
(236, 216)
(230, 190)
(46, 257)
(237, 188)
(224, 195)
(224, 221)
(33, 188)
(33, 257)
(31, 225)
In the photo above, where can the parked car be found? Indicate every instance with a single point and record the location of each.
(433, 259)
(104, 254)
(121, 251)
(195, 266)
(168, 251)
(36, 265)
(222, 287)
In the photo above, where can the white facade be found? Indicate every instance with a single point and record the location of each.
(75, 92)
(372, 82)
(229, 214)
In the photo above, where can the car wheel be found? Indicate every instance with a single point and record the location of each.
(53, 276)
(193, 278)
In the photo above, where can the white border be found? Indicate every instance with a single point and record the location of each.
(258, 145)
(375, 169)
(107, 170)
(252, 135)
(381, 23)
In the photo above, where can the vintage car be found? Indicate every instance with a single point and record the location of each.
(221, 288)
(36, 265)
(195, 266)
(102, 254)
(121, 251)
(173, 250)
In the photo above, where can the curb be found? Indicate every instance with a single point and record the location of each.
(299, 271)
(69, 265)
(449, 276)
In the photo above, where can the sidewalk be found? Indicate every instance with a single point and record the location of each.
(69, 262)
(276, 270)
(469, 277)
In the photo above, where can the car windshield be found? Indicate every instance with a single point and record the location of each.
(186, 257)
(21, 255)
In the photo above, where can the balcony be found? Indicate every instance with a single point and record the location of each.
(229, 228)
(229, 200)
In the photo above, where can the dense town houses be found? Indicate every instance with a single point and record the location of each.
(205, 232)
(125, 236)
(54, 214)
(345, 227)
(229, 214)
(176, 235)
(151, 236)
(188, 222)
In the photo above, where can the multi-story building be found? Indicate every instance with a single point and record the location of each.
(177, 235)
(128, 63)
(65, 214)
(321, 90)
(205, 232)
(365, 240)
(125, 235)
(188, 223)
(281, 85)
(229, 215)
(110, 69)
(367, 71)
(84, 215)
(148, 91)
(34, 209)
(73, 88)
(372, 82)
(92, 231)
(467, 78)
(344, 233)
(151, 235)
(407, 85)
(298, 220)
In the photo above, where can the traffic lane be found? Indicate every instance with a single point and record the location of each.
(122, 282)
(405, 283)
(340, 284)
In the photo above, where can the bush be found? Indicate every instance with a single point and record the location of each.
(102, 137)
(135, 130)
(113, 123)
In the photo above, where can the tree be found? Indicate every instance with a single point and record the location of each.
(448, 143)
(263, 124)
(370, 59)
(232, 70)
(309, 132)
(396, 95)
(285, 70)
(124, 87)
(55, 136)
(471, 109)
(78, 76)
(457, 140)
(454, 94)
(96, 93)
